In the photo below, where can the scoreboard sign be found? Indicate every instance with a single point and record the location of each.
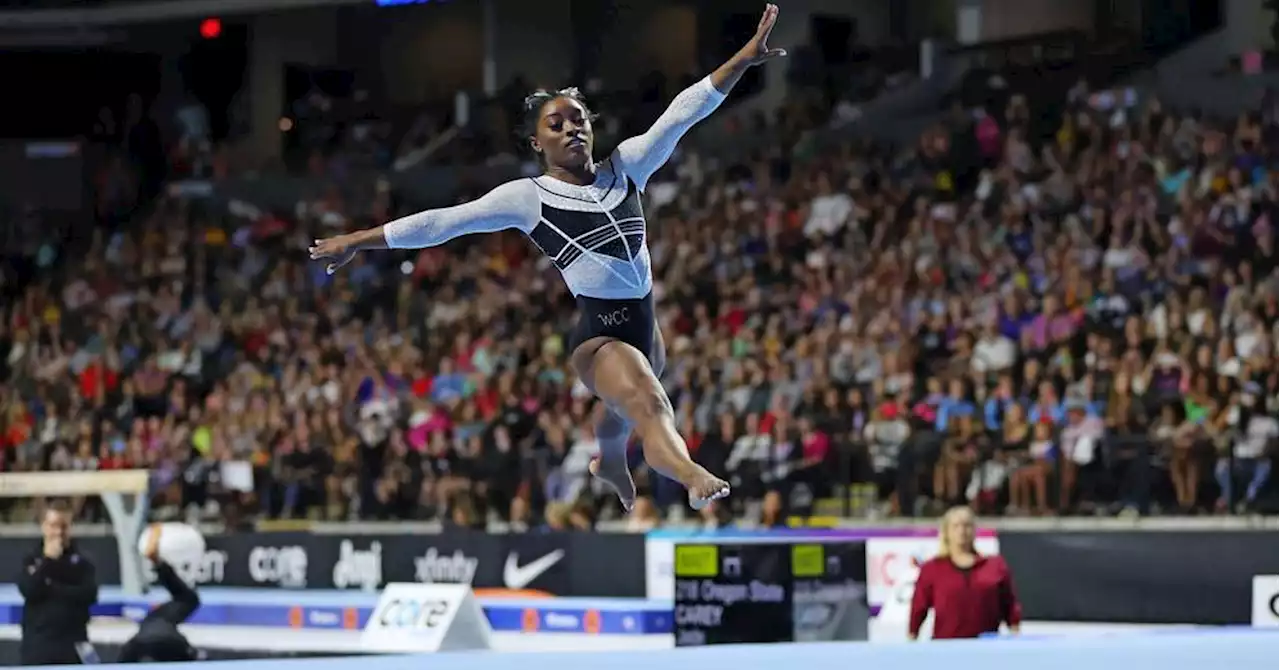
(758, 592)
(728, 594)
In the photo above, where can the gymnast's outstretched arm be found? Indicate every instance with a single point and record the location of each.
(640, 156)
(511, 205)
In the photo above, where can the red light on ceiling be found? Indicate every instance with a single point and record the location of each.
(210, 28)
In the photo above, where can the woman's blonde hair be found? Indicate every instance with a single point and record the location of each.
(944, 546)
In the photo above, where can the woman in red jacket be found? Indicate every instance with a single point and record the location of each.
(969, 594)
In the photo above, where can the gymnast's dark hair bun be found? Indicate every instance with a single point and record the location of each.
(534, 101)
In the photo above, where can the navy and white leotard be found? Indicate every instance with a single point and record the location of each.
(594, 234)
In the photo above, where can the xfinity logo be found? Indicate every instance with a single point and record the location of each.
(516, 576)
(435, 568)
(286, 566)
(362, 568)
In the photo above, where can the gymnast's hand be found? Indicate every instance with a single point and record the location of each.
(757, 51)
(338, 250)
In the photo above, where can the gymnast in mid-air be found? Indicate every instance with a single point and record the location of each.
(586, 217)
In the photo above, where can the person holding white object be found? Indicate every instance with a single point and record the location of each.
(158, 639)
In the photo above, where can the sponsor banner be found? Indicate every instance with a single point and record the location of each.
(109, 652)
(529, 565)
(1202, 577)
(279, 564)
(209, 568)
(640, 619)
(607, 565)
(355, 611)
(266, 560)
(1131, 576)
(659, 548)
(1266, 601)
(893, 564)
(425, 618)
(560, 621)
(534, 564)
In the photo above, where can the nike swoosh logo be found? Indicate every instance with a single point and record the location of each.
(516, 576)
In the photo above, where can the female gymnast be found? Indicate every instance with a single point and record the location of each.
(586, 217)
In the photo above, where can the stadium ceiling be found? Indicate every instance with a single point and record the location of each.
(58, 14)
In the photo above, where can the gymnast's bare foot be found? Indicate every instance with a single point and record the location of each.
(704, 487)
(614, 472)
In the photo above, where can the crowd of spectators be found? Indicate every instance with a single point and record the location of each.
(1076, 322)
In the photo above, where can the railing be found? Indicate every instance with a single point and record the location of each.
(1129, 474)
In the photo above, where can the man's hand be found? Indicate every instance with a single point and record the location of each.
(54, 546)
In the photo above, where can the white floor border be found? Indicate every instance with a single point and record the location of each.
(342, 641)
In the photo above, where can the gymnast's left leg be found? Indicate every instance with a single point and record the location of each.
(622, 376)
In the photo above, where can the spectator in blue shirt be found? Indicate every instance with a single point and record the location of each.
(954, 406)
(448, 384)
(998, 404)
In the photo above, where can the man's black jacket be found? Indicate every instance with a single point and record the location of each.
(57, 594)
(158, 638)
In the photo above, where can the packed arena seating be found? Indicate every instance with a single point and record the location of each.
(1081, 320)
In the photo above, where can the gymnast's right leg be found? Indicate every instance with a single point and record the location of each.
(621, 375)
